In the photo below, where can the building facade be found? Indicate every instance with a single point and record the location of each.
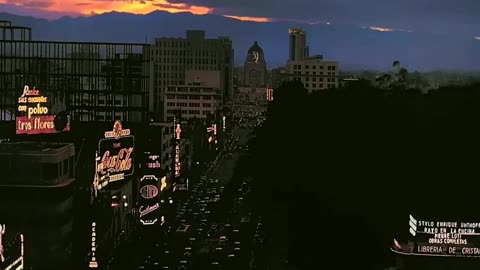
(277, 76)
(95, 81)
(172, 57)
(36, 198)
(255, 74)
(199, 97)
(313, 71)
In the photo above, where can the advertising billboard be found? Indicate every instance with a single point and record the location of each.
(36, 115)
(149, 204)
(443, 238)
(114, 158)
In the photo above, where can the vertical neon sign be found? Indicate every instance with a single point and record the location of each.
(2, 232)
(93, 262)
(21, 250)
(178, 132)
(223, 121)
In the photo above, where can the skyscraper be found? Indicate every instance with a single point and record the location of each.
(313, 71)
(298, 44)
(172, 57)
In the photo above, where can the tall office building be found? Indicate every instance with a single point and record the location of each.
(255, 74)
(313, 71)
(298, 49)
(172, 57)
(94, 81)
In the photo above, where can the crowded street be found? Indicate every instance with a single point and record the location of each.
(212, 227)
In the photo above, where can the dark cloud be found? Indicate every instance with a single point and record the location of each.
(31, 4)
(166, 6)
(39, 13)
(82, 4)
(421, 15)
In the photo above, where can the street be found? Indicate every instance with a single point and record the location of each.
(213, 226)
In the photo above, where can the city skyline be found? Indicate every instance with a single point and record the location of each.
(407, 16)
(138, 139)
(356, 47)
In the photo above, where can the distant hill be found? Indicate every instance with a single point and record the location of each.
(354, 47)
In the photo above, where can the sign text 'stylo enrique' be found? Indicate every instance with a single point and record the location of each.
(444, 238)
(114, 160)
(34, 115)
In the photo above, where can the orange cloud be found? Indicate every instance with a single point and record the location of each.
(250, 19)
(87, 7)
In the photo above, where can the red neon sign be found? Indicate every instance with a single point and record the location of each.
(42, 124)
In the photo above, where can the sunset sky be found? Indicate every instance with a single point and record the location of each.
(434, 16)
(52, 9)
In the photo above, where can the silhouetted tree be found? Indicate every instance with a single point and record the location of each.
(343, 168)
(397, 79)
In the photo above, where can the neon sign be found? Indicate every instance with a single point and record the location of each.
(116, 163)
(144, 210)
(2, 232)
(178, 132)
(177, 160)
(149, 222)
(114, 158)
(117, 131)
(93, 261)
(149, 192)
(163, 183)
(152, 162)
(18, 263)
(213, 131)
(33, 116)
(269, 94)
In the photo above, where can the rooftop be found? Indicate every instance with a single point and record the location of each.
(31, 147)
